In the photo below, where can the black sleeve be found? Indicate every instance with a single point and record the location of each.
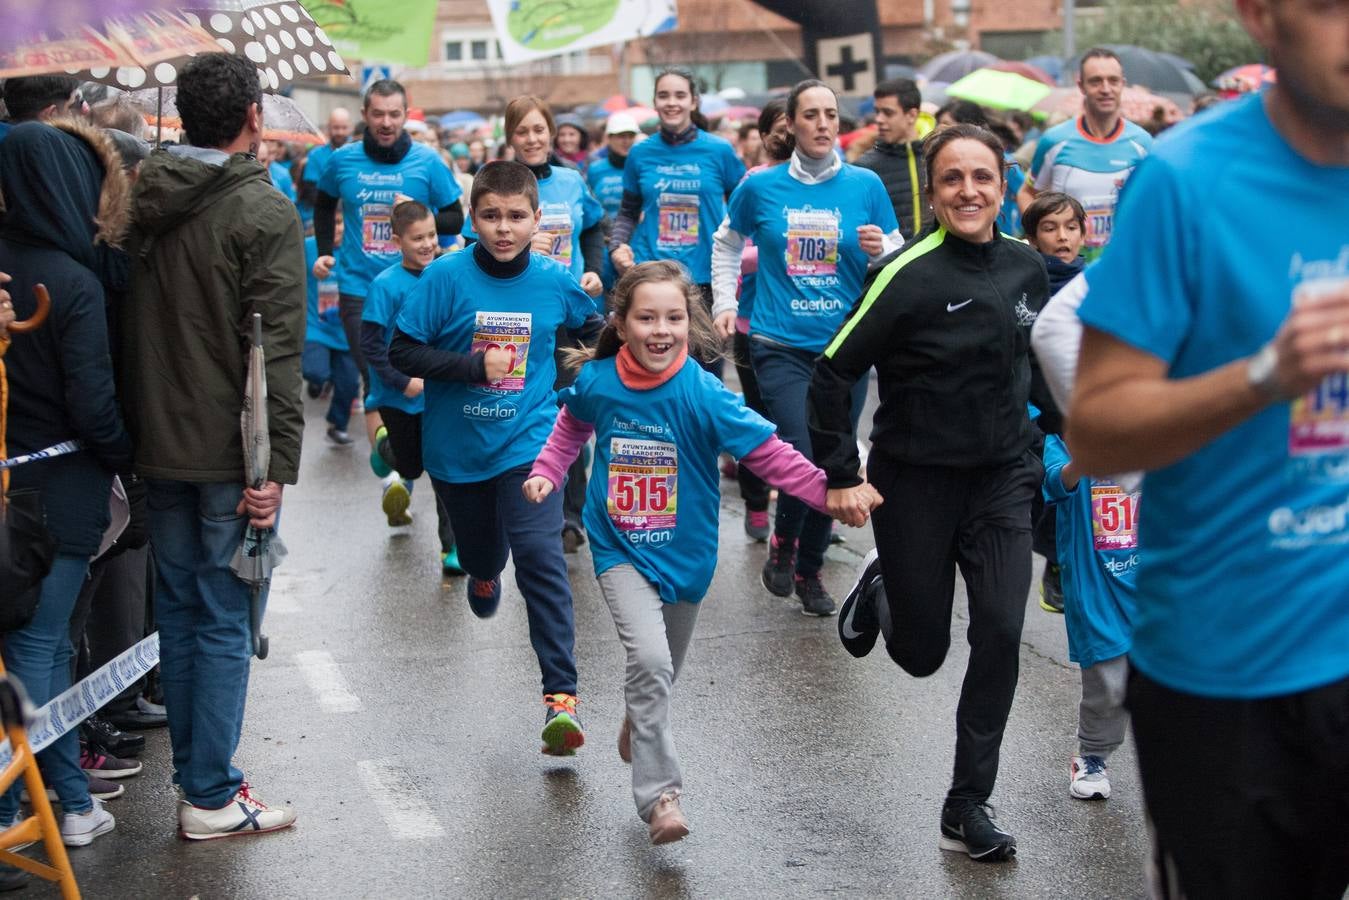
(374, 346)
(325, 222)
(86, 364)
(629, 211)
(593, 246)
(414, 358)
(450, 219)
(589, 331)
(307, 192)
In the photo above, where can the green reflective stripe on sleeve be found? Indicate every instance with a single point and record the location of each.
(926, 245)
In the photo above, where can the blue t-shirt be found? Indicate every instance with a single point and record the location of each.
(280, 175)
(654, 495)
(1097, 531)
(811, 266)
(683, 189)
(1093, 170)
(314, 163)
(367, 190)
(385, 300)
(323, 324)
(606, 183)
(473, 432)
(1009, 216)
(1246, 588)
(567, 208)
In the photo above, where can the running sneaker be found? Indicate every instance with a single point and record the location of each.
(397, 498)
(667, 820)
(103, 766)
(244, 814)
(572, 539)
(1088, 778)
(967, 827)
(561, 728)
(858, 625)
(381, 457)
(815, 600)
(484, 596)
(339, 437)
(313, 388)
(80, 829)
(756, 524)
(449, 562)
(625, 741)
(1051, 589)
(779, 571)
(99, 788)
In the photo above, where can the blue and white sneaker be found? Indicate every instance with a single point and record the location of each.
(1088, 778)
(244, 814)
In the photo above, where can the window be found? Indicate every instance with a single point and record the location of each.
(454, 51)
(478, 50)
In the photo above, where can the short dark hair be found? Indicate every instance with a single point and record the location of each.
(1097, 53)
(27, 96)
(1047, 204)
(770, 112)
(937, 141)
(905, 90)
(214, 93)
(800, 88)
(407, 214)
(385, 87)
(506, 178)
(964, 112)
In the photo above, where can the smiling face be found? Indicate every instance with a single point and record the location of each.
(1059, 234)
(418, 244)
(504, 223)
(1102, 84)
(531, 139)
(656, 327)
(966, 189)
(568, 140)
(384, 117)
(816, 122)
(675, 102)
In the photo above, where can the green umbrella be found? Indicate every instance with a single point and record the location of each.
(1000, 90)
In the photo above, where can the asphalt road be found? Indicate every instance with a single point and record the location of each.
(405, 733)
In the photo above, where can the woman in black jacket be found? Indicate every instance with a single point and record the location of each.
(946, 324)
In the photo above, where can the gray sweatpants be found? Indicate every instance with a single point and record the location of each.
(655, 636)
(1102, 719)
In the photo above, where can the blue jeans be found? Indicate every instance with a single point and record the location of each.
(201, 608)
(492, 519)
(322, 364)
(39, 656)
(784, 379)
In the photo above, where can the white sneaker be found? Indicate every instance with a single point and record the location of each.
(245, 814)
(1089, 779)
(80, 829)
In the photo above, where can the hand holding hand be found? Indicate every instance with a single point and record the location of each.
(536, 489)
(591, 284)
(414, 388)
(871, 239)
(261, 504)
(853, 505)
(622, 258)
(724, 323)
(497, 363)
(323, 267)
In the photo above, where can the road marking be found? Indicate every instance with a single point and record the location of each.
(327, 681)
(398, 801)
(288, 588)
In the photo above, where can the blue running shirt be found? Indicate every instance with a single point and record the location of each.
(811, 266)
(388, 292)
(473, 432)
(322, 325)
(367, 190)
(654, 495)
(1246, 588)
(606, 183)
(566, 209)
(1093, 170)
(683, 189)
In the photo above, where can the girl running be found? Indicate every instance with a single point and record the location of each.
(652, 507)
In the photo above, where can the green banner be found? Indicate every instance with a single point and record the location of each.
(397, 31)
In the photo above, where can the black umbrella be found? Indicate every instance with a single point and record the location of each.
(1161, 73)
(951, 67)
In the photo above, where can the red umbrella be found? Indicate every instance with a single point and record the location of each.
(1245, 79)
(739, 112)
(1138, 104)
(1025, 70)
(616, 103)
(642, 114)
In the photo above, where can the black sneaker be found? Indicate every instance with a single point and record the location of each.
(339, 437)
(858, 625)
(779, 572)
(1051, 589)
(815, 600)
(105, 737)
(967, 827)
(572, 539)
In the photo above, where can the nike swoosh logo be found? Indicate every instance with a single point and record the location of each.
(848, 631)
(952, 307)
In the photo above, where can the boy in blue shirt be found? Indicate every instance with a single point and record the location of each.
(327, 358)
(480, 327)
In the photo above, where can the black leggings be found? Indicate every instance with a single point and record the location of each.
(935, 520)
(349, 309)
(405, 439)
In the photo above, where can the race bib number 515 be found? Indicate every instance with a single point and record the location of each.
(643, 484)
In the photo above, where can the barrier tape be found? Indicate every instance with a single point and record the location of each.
(60, 449)
(82, 700)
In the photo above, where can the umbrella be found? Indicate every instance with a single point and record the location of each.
(1025, 70)
(740, 112)
(282, 118)
(713, 105)
(1159, 72)
(616, 103)
(1050, 65)
(643, 114)
(1136, 103)
(1245, 79)
(25, 18)
(130, 43)
(951, 67)
(261, 549)
(462, 118)
(1000, 90)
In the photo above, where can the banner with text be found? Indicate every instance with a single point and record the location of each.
(368, 30)
(533, 29)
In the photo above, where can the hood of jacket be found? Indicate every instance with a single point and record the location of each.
(62, 186)
(174, 187)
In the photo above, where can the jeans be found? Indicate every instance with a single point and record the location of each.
(39, 656)
(321, 364)
(784, 379)
(492, 519)
(753, 489)
(201, 607)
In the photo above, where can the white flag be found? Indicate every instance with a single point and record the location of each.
(533, 29)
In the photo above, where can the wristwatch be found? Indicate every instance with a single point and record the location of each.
(1262, 372)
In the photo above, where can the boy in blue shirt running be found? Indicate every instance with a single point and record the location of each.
(480, 328)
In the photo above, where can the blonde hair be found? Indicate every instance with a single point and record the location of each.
(704, 344)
